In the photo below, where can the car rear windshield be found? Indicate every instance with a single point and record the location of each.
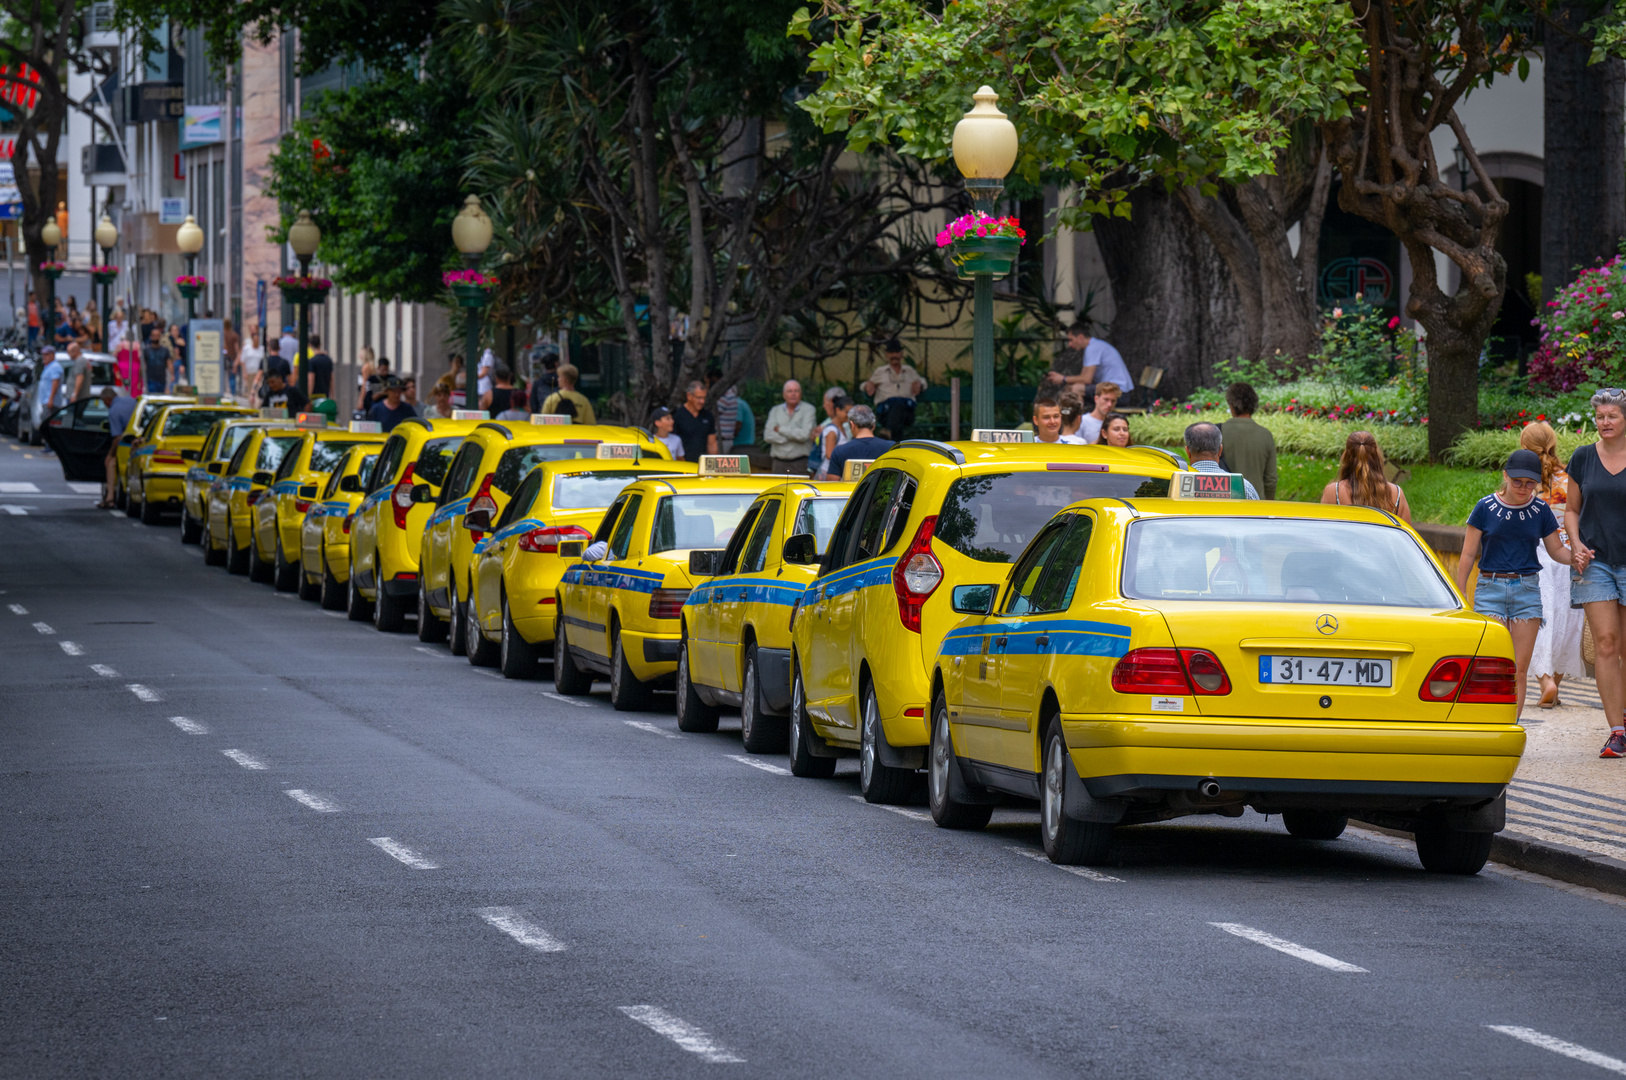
(325, 455)
(819, 517)
(232, 438)
(698, 521)
(515, 463)
(992, 516)
(434, 459)
(189, 421)
(590, 490)
(1280, 561)
(272, 447)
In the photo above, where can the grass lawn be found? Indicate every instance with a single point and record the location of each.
(1437, 493)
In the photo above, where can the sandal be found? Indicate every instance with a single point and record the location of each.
(105, 505)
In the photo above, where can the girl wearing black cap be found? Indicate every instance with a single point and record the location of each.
(1503, 532)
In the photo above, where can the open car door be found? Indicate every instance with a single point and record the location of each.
(78, 434)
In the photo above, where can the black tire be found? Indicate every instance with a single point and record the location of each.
(1067, 842)
(150, 514)
(258, 571)
(518, 657)
(1315, 824)
(131, 507)
(431, 627)
(457, 627)
(212, 555)
(481, 653)
(568, 679)
(1445, 850)
(121, 498)
(627, 694)
(389, 612)
(357, 606)
(802, 761)
(941, 767)
(237, 559)
(285, 575)
(692, 713)
(310, 585)
(191, 531)
(334, 597)
(878, 783)
(759, 733)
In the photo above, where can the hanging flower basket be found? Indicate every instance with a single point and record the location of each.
(979, 244)
(191, 286)
(304, 290)
(471, 288)
(52, 270)
(104, 275)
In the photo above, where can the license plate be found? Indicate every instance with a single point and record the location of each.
(1323, 671)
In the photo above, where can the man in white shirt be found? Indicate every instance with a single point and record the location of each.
(1087, 361)
(789, 431)
(894, 387)
(488, 364)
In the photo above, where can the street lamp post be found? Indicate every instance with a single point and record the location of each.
(50, 236)
(304, 237)
(107, 238)
(189, 238)
(984, 150)
(471, 232)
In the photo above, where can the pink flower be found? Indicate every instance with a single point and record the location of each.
(1394, 322)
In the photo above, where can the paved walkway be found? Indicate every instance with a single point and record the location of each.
(1564, 792)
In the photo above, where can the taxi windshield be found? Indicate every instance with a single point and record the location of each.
(1280, 561)
(434, 459)
(232, 438)
(992, 516)
(515, 463)
(189, 421)
(590, 490)
(819, 517)
(698, 521)
(272, 447)
(326, 455)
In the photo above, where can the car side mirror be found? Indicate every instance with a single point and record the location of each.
(126, 440)
(307, 491)
(262, 478)
(216, 468)
(190, 455)
(973, 599)
(706, 562)
(571, 549)
(351, 483)
(477, 520)
(802, 549)
(421, 493)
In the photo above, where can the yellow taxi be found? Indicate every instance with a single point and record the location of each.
(1151, 658)
(146, 405)
(324, 536)
(218, 447)
(228, 532)
(489, 465)
(160, 455)
(736, 623)
(294, 488)
(867, 629)
(515, 578)
(620, 610)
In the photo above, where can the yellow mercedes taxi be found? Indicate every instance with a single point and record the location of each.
(736, 622)
(146, 405)
(620, 609)
(487, 469)
(294, 489)
(218, 447)
(515, 579)
(228, 532)
(155, 478)
(868, 627)
(1151, 658)
(324, 536)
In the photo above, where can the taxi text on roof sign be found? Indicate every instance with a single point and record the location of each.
(366, 427)
(549, 418)
(278, 413)
(311, 419)
(855, 468)
(725, 465)
(1001, 435)
(469, 414)
(1206, 485)
(611, 451)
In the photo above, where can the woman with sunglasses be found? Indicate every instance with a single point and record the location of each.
(1595, 518)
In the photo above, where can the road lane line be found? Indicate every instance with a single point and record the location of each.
(763, 765)
(104, 671)
(439, 654)
(645, 725)
(44, 628)
(145, 693)
(567, 700)
(1271, 941)
(20, 487)
(912, 815)
(117, 513)
(17, 609)
(488, 673)
(685, 1034)
(245, 760)
(1076, 871)
(315, 802)
(401, 853)
(191, 727)
(14, 510)
(84, 488)
(1559, 1046)
(72, 648)
(521, 929)
(336, 614)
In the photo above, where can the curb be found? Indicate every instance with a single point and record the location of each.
(1559, 861)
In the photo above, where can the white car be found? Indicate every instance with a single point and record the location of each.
(31, 417)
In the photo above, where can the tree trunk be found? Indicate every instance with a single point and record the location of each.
(1583, 205)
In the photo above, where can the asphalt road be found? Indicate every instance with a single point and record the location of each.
(243, 837)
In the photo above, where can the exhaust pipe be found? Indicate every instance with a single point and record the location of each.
(1208, 789)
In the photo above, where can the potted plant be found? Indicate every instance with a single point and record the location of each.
(191, 285)
(103, 275)
(303, 289)
(980, 244)
(472, 288)
(52, 270)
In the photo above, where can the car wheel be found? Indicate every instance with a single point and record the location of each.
(151, 514)
(121, 498)
(284, 574)
(879, 783)
(802, 760)
(310, 585)
(259, 570)
(357, 606)
(191, 531)
(1444, 850)
(759, 734)
(457, 637)
(1315, 824)
(1067, 842)
(431, 627)
(692, 713)
(334, 594)
(568, 679)
(131, 507)
(627, 693)
(518, 659)
(941, 770)
(213, 555)
(389, 612)
(236, 558)
(481, 653)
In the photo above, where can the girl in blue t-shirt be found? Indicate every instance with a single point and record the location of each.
(1503, 532)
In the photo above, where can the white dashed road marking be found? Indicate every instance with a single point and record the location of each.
(645, 725)
(567, 700)
(15, 510)
(1077, 871)
(245, 760)
(20, 487)
(44, 628)
(72, 648)
(683, 1033)
(400, 852)
(80, 487)
(763, 765)
(145, 693)
(439, 654)
(191, 727)
(104, 671)
(17, 609)
(1559, 1046)
(521, 929)
(912, 815)
(315, 802)
(1271, 941)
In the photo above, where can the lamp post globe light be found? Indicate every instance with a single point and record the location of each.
(985, 147)
(471, 232)
(304, 237)
(50, 236)
(107, 238)
(189, 238)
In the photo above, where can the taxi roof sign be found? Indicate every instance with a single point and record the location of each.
(1001, 435)
(855, 468)
(278, 413)
(549, 418)
(469, 414)
(366, 427)
(725, 465)
(1207, 485)
(311, 420)
(614, 451)
(208, 399)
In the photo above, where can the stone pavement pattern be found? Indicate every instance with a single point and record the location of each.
(1564, 792)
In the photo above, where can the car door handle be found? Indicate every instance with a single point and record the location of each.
(1043, 641)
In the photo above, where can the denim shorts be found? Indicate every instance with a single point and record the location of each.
(1505, 600)
(1600, 582)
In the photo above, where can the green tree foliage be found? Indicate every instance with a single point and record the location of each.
(378, 33)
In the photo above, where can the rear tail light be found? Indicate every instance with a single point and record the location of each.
(1208, 677)
(1444, 679)
(254, 497)
(301, 507)
(401, 497)
(1171, 671)
(168, 459)
(1472, 680)
(916, 575)
(667, 603)
(347, 518)
(546, 541)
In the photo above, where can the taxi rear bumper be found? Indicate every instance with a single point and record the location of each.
(163, 487)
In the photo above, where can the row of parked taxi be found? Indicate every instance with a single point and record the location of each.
(1100, 631)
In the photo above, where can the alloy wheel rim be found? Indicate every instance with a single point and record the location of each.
(938, 775)
(748, 690)
(683, 679)
(472, 623)
(1052, 791)
(866, 752)
(796, 716)
(615, 670)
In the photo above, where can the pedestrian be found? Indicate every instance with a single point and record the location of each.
(117, 327)
(281, 392)
(231, 346)
(694, 423)
(745, 427)
(127, 365)
(440, 402)
(1114, 431)
(1088, 361)
(34, 322)
(1047, 415)
(120, 408)
(832, 433)
(894, 387)
(177, 349)
(1250, 448)
(288, 347)
(53, 377)
(318, 370)
(1106, 398)
(390, 410)
(863, 446)
(250, 361)
(1205, 444)
(1595, 518)
(1072, 417)
(1558, 644)
(374, 390)
(567, 400)
(93, 326)
(543, 382)
(79, 373)
(157, 364)
(1361, 481)
(789, 430)
(660, 423)
(501, 395)
(488, 364)
(1504, 531)
(459, 381)
(728, 418)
